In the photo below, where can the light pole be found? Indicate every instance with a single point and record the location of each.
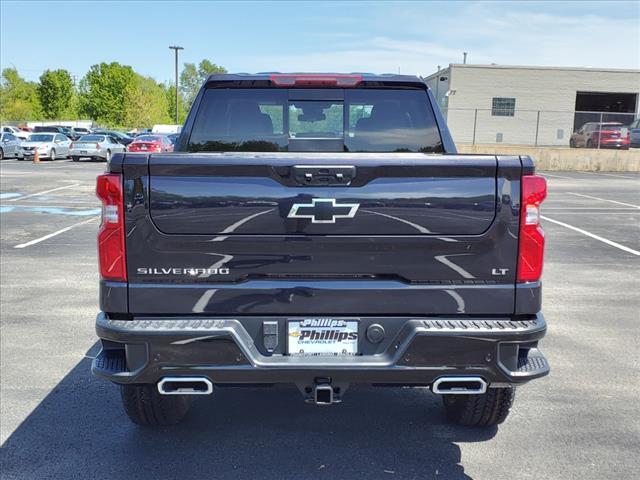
(176, 48)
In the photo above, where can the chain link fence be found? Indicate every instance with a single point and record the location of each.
(527, 127)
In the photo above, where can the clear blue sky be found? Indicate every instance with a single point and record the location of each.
(312, 36)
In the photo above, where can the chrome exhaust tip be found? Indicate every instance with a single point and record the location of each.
(185, 386)
(459, 386)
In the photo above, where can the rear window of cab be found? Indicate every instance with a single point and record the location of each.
(315, 120)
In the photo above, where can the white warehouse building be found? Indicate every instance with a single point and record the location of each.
(523, 105)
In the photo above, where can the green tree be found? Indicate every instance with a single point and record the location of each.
(183, 109)
(18, 97)
(104, 90)
(56, 94)
(192, 78)
(145, 103)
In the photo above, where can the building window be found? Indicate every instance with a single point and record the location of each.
(503, 107)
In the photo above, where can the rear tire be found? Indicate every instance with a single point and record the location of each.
(145, 406)
(487, 409)
(589, 144)
(75, 159)
(1, 154)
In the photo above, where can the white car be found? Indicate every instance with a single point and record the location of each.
(9, 146)
(16, 132)
(48, 145)
(95, 147)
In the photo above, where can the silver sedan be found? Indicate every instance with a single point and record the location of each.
(48, 145)
(9, 146)
(96, 147)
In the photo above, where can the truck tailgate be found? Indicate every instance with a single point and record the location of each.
(318, 233)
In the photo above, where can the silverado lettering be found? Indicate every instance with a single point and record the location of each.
(340, 239)
(182, 271)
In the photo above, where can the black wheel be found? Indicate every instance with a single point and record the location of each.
(52, 155)
(1, 154)
(589, 144)
(491, 408)
(108, 157)
(75, 159)
(145, 406)
(572, 144)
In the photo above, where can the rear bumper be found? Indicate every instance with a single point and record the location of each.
(416, 351)
(622, 144)
(87, 152)
(32, 153)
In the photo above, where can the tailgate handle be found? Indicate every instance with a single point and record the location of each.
(324, 175)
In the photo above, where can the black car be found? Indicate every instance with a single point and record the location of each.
(82, 131)
(119, 136)
(68, 132)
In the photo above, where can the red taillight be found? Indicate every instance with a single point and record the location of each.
(71, 146)
(284, 80)
(97, 146)
(531, 243)
(111, 251)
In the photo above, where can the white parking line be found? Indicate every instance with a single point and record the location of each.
(608, 209)
(544, 174)
(617, 211)
(604, 200)
(609, 175)
(47, 237)
(44, 192)
(592, 235)
(74, 205)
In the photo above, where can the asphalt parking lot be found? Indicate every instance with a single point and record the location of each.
(581, 422)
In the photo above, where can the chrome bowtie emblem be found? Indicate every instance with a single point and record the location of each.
(323, 210)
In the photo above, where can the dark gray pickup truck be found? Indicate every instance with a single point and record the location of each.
(319, 230)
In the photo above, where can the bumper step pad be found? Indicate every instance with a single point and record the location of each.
(482, 325)
(110, 362)
(534, 363)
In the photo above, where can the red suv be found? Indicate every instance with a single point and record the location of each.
(601, 135)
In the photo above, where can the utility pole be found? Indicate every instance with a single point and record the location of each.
(176, 48)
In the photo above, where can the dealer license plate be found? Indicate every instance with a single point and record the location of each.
(322, 337)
